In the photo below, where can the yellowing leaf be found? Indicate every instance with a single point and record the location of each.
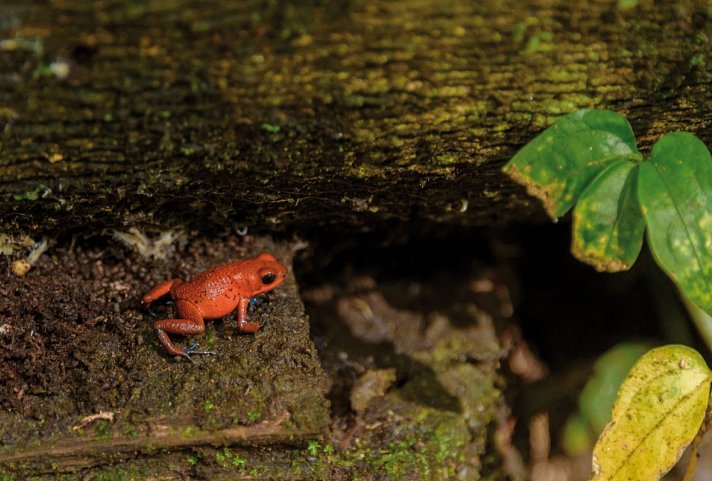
(558, 164)
(659, 410)
(608, 223)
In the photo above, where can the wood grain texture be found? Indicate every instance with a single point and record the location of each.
(299, 115)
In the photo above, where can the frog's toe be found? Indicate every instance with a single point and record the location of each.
(187, 356)
(192, 350)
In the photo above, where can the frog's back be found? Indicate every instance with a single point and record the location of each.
(217, 284)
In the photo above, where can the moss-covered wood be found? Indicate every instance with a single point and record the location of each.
(75, 344)
(277, 113)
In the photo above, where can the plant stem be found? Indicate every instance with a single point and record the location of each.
(702, 320)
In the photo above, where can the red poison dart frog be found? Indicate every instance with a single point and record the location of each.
(214, 293)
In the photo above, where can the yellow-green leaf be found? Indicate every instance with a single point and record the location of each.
(598, 395)
(659, 410)
(557, 165)
(675, 193)
(608, 224)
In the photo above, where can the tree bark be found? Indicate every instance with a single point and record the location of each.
(284, 114)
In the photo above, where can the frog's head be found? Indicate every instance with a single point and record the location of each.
(266, 273)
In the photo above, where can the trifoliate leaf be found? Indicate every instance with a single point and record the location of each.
(558, 164)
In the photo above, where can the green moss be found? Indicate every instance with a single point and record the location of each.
(189, 432)
(42, 71)
(568, 104)
(130, 430)
(271, 128)
(313, 447)
(520, 28)
(540, 42)
(33, 194)
(102, 430)
(401, 459)
(447, 159)
(572, 75)
(626, 4)
(117, 474)
(193, 458)
(221, 458)
(227, 459)
(430, 445)
(697, 60)
(257, 472)
(238, 462)
(354, 101)
(447, 442)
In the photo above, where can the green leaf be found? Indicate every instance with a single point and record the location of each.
(608, 224)
(675, 194)
(558, 164)
(576, 437)
(659, 410)
(598, 395)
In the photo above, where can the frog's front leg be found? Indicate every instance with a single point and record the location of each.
(161, 290)
(242, 324)
(190, 323)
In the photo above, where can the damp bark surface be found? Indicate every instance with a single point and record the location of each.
(282, 115)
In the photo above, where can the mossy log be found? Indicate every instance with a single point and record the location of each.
(81, 392)
(283, 114)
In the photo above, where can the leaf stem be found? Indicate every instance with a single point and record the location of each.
(702, 320)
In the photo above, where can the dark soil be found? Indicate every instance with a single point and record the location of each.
(56, 316)
(76, 342)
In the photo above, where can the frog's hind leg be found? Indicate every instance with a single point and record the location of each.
(190, 323)
(161, 290)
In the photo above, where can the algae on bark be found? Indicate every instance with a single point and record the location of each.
(282, 114)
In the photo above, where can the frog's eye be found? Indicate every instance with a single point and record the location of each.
(268, 279)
